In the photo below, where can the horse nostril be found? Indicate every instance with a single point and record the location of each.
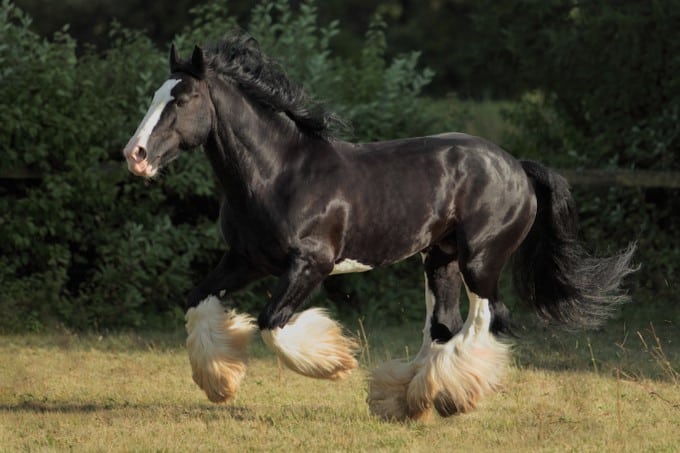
(141, 154)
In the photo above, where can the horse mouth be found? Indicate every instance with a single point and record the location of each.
(142, 168)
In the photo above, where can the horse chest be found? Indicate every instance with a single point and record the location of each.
(256, 238)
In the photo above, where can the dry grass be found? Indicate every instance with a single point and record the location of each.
(126, 392)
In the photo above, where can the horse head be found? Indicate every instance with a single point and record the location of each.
(179, 118)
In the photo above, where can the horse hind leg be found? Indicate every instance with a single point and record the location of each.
(470, 365)
(442, 298)
(462, 371)
(458, 372)
(389, 383)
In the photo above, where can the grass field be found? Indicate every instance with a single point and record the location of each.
(611, 390)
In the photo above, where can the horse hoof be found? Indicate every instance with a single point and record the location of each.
(387, 393)
(445, 404)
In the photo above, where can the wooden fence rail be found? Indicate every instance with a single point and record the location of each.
(625, 178)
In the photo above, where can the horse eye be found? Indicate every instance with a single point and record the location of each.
(181, 102)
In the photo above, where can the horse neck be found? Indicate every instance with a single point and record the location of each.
(248, 145)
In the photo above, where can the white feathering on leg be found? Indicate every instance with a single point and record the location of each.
(388, 384)
(450, 377)
(217, 344)
(313, 345)
(459, 373)
(387, 391)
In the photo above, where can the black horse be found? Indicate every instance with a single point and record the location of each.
(302, 205)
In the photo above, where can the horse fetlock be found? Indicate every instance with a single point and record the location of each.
(445, 405)
(272, 318)
(313, 345)
(440, 333)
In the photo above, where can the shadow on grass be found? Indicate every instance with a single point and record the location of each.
(634, 349)
(238, 413)
(267, 414)
(638, 349)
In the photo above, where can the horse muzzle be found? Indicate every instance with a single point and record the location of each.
(138, 164)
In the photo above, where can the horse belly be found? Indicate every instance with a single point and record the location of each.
(406, 208)
(385, 239)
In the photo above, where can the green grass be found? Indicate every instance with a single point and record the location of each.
(601, 391)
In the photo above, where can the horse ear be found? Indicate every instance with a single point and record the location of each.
(198, 61)
(174, 58)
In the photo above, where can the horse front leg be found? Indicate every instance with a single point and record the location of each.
(217, 339)
(231, 274)
(309, 343)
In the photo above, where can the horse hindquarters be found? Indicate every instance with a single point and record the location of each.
(470, 365)
(452, 373)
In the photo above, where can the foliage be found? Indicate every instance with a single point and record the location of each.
(87, 245)
(442, 30)
(603, 93)
(83, 244)
(605, 73)
(89, 20)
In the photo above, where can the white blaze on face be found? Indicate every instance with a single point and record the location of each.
(160, 99)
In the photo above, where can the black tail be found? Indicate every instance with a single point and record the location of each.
(551, 269)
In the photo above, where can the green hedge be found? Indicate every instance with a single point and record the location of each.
(86, 245)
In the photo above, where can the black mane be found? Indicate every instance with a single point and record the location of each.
(238, 56)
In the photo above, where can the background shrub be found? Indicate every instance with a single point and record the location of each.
(85, 244)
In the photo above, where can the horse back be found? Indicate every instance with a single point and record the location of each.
(406, 195)
(378, 203)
